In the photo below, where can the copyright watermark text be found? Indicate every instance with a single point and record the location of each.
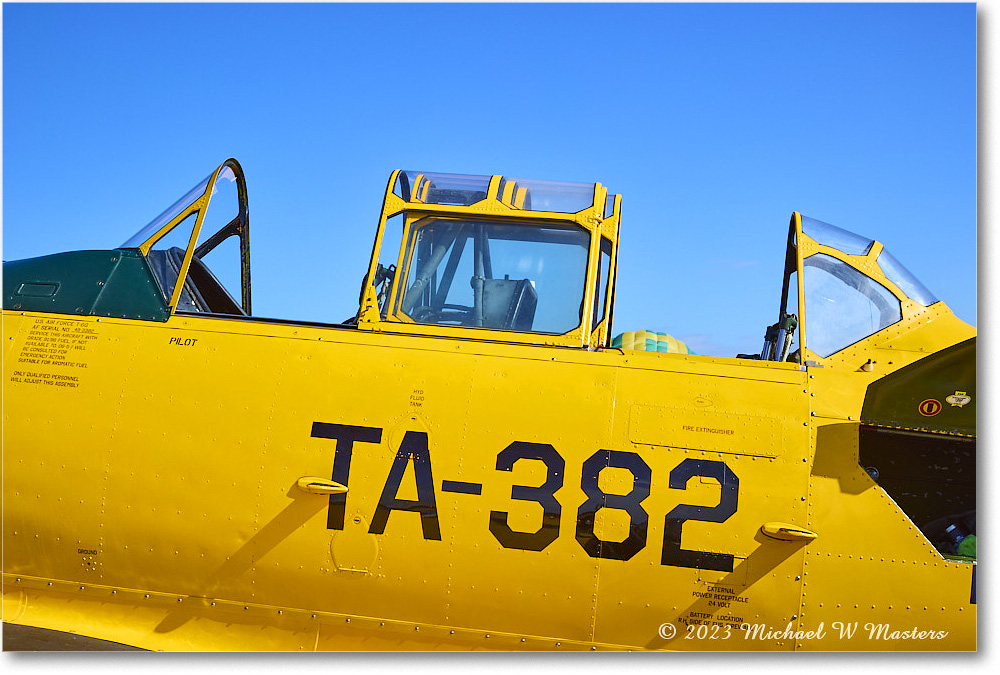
(839, 630)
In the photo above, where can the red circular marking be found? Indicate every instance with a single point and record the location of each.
(929, 407)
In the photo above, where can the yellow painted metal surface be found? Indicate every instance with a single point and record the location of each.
(223, 483)
(191, 495)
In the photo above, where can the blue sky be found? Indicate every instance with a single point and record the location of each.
(714, 122)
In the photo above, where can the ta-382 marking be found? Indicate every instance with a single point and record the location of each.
(414, 451)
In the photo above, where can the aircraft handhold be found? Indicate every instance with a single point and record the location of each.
(786, 532)
(320, 486)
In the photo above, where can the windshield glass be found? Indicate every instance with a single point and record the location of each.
(843, 306)
(899, 275)
(834, 237)
(494, 274)
(853, 244)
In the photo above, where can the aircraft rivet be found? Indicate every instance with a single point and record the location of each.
(179, 599)
(803, 498)
(213, 604)
(558, 644)
(593, 649)
(147, 595)
(487, 636)
(452, 632)
(797, 578)
(522, 639)
(347, 620)
(416, 628)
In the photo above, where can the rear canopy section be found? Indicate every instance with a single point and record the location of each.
(160, 270)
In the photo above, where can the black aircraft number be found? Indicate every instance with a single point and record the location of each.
(414, 451)
(544, 494)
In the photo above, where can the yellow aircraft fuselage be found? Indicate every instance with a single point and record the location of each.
(216, 481)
